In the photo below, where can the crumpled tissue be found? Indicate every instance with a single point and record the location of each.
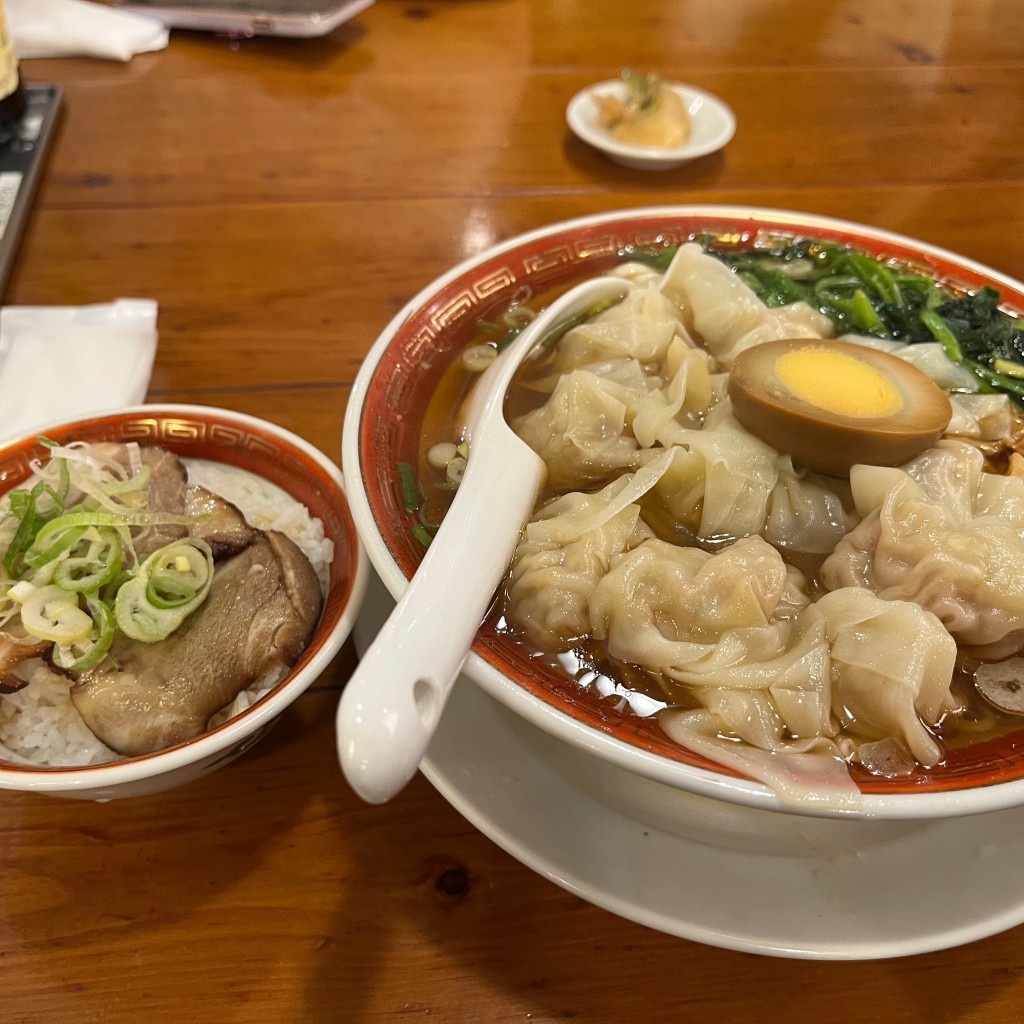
(79, 28)
(61, 362)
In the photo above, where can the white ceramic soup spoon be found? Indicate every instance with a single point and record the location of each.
(393, 702)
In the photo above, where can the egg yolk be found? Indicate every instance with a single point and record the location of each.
(838, 383)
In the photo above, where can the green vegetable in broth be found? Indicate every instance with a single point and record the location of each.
(412, 497)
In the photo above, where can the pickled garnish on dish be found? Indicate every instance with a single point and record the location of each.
(143, 601)
(650, 114)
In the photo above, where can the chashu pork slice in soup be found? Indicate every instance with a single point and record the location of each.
(260, 613)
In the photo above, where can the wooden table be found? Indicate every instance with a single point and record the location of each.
(282, 199)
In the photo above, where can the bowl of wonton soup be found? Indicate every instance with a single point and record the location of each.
(272, 512)
(689, 604)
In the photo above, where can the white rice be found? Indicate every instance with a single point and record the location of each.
(39, 724)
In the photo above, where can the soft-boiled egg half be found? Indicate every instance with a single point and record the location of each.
(833, 404)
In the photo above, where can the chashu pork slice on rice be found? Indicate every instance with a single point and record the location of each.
(263, 605)
(220, 524)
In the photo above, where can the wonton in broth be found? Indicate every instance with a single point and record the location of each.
(798, 627)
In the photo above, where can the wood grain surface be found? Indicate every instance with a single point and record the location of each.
(282, 199)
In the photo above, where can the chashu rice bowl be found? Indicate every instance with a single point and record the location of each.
(255, 632)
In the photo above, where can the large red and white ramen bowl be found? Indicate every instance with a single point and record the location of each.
(384, 429)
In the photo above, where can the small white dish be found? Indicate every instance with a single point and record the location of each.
(712, 125)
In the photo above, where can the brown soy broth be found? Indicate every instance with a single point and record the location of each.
(587, 662)
(442, 416)
(975, 720)
(440, 423)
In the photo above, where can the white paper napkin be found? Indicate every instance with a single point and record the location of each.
(79, 28)
(60, 362)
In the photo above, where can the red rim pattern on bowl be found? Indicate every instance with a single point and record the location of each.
(441, 326)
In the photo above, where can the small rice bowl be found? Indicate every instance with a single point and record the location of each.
(39, 724)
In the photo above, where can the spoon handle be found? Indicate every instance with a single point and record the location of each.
(391, 704)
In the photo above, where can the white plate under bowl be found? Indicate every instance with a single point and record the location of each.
(712, 125)
(722, 874)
